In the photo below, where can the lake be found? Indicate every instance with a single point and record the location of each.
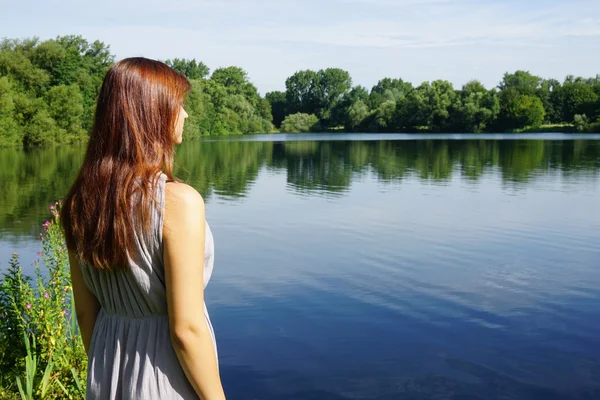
(382, 266)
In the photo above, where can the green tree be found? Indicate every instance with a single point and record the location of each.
(51, 56)
(317, 92)
(523, 81)
(265, 110)
(578, 98)
(278, 106)
(80, 57)
(357, 93)
(340, 111)
(550, 94)
(65, 106)
(427, 106)
(357, 114)
(475, 108)
(520, 110)
(332, 84)
(9, 129)
(383, 117)
(35, 68)
(191, 68)
(14, 63)
(300, 94)
(235, 80)
(388, 89)
(530, 111)
(239, 107)
(41, 130)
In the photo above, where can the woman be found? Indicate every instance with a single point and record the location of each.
(139, 247)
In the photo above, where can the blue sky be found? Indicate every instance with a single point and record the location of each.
(416, 40)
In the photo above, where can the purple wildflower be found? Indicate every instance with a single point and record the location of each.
(46, 295)
(52, 207)
(28, 305)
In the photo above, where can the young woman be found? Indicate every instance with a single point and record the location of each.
(139, 246)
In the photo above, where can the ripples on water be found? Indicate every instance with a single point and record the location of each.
(388, 269)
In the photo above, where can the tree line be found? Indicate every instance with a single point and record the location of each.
(326, 99)
(48, 91)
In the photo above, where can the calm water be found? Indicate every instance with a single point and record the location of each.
(381, 268)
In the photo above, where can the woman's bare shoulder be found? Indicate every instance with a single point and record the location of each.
(179, 192)
(183, 204)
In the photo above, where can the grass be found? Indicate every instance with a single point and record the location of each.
(548, 128)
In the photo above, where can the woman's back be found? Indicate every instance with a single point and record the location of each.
(131, 354)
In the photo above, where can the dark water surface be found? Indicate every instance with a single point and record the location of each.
(382, 269)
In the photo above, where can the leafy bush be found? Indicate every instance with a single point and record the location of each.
(41, 352)
(594, 128)
(300, 122)
(581, 122)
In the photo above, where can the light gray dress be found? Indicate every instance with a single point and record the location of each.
(131, 355)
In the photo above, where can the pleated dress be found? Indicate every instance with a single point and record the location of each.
(131, 356)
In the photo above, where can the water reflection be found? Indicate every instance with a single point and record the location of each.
(383, 269)
(32, 180)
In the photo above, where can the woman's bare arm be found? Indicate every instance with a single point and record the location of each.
(183, 239)
(86, 304)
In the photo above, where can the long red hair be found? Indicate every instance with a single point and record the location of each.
(132, 140)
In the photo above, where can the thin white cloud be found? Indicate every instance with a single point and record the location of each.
(398, 3)
(417, 39)
(454, 23)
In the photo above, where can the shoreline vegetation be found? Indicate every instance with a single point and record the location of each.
(48, 91)
(41, 351)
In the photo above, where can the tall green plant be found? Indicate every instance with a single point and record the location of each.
(42, 312)
(33, 389)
